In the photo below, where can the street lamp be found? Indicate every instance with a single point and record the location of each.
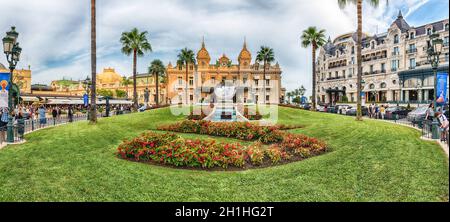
(400, 99)
(434, 51)
(12, 51)
(418, 86)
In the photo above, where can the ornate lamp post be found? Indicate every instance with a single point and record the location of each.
(12, 51)
(400, 95)
(434, 51)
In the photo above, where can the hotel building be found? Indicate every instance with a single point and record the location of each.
(395, 66)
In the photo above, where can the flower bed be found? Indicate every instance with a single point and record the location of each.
(172, 150)
(239, 130)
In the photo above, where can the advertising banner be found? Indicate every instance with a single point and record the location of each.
(441, 88)
(4, 83)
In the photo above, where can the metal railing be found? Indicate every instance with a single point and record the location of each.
(24, 126)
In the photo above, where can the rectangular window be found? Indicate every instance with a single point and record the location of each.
(267, 82)
(394, 65)
(256, 82)
(350, 72)
(371, 69)
(383, 67)
(396, 51)
(267, 98)
(343, 73)
(180, 80)
(191, 81)
(336, 74)
(234, 80)
(213, 80)
(244, 80)
(412, 63)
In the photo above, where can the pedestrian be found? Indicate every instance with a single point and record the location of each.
(443, 125)
(377, 112)
(59, 109)
(382, 111)
(430, 112)
(42, 118)
(3, 123)
(54, 114)
(70, 113)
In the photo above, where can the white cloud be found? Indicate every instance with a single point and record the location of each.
(55, 33)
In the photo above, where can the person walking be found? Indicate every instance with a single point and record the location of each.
(382, 111)
(70, 113)
(443, 125)
(430, 112)
(42, 118)
(54, 114)
(3, 123)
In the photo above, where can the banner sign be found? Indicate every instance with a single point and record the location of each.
(86, 100)
(4, 83)
(441, 88)
(363, 99)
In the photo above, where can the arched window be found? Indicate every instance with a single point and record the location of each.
(396, 39)
(429, 32)
(446, 27)
(372, 45)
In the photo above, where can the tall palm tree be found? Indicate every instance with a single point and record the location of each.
(265, 55)
(358, 3)
(157, 69)
(185, 58)
(314, 38)
(289, 96)
(126, 82)
(93, 111)
(136, 43)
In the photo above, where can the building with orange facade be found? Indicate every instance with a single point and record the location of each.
(205, 78)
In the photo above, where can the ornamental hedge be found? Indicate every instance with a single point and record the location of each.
(171, 150)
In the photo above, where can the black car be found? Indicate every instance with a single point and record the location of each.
(396, 112)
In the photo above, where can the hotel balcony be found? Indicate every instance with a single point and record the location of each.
(336, 78)
(410, 51)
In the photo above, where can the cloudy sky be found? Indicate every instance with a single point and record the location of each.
(55, 34)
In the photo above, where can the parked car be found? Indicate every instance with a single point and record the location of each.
(417, 115)
(392, 112)
(352, 111)
(320, 108)
(305, 106)
(342, 109)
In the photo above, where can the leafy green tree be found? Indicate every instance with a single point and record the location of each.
(136, 43)
(126, 82)
(314, 38)
(120, 93)
(105, 93)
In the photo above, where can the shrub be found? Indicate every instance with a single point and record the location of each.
(256, 153)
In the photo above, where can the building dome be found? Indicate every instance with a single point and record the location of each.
(203, 54)
(245, 54)
(109, 76)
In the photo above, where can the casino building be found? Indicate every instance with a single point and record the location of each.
(395, 64)
(205, 78)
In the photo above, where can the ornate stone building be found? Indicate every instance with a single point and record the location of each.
(204, 78)
(395, 64)
(112, 81)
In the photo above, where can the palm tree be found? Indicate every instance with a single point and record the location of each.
(185, 58)
(126, 82)
(289, 96)
(93, 113)
(358, 3)
(157, 69)
(136, 43)
(314, 38)
(265, 55)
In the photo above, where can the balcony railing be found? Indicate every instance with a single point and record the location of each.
(395, 53)
(409, 51)
(335, 78)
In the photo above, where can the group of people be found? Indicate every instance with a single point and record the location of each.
(441, 118)
(377, 112)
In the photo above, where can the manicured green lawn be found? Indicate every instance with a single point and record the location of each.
(369, 161)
